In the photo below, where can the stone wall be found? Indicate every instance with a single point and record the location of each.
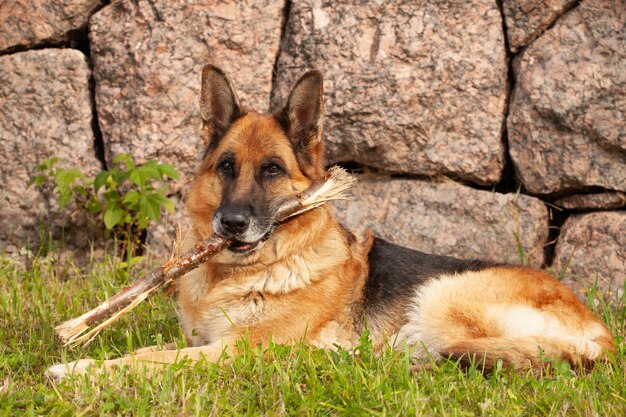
(479, 128)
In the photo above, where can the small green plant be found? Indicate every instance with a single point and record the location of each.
(126, 197)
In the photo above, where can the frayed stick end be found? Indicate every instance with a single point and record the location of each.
(71, 329)
(337, 182)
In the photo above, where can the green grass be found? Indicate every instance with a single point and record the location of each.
(278, 381)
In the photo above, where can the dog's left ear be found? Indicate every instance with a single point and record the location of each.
(302, 118)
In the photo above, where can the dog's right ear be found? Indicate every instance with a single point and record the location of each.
(219, 105)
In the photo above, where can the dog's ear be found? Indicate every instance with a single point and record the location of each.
(302, 119)
(219, 105)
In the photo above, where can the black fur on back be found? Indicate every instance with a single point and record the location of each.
(395, 272)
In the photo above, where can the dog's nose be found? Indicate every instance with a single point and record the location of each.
(235, 222)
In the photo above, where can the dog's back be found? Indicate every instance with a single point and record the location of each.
(474, 310)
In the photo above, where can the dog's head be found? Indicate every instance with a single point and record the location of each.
(253, 161)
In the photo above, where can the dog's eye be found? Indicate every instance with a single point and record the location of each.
(273, 169)
(226, 167)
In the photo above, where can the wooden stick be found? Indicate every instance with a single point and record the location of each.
(332, 186)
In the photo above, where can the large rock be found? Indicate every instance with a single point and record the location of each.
(527, 19)
(413, 87)
(27, 23)
(567, 123)
(45, 111)
(593, 246)
(148, 57)
(602, 201)
(449, 219)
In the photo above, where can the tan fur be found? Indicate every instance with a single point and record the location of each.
(307, 281)
(511, 313)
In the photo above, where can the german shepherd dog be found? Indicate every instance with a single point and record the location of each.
(309, 279)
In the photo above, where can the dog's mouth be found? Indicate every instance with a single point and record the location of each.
(240, 247)
(243, 247)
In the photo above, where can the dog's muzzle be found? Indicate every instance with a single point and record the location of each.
(242, 229)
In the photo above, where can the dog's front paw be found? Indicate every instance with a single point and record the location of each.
(61, 370)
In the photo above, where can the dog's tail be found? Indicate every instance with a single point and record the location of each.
(528, 353)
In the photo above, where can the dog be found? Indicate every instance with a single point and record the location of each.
(310, 279)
